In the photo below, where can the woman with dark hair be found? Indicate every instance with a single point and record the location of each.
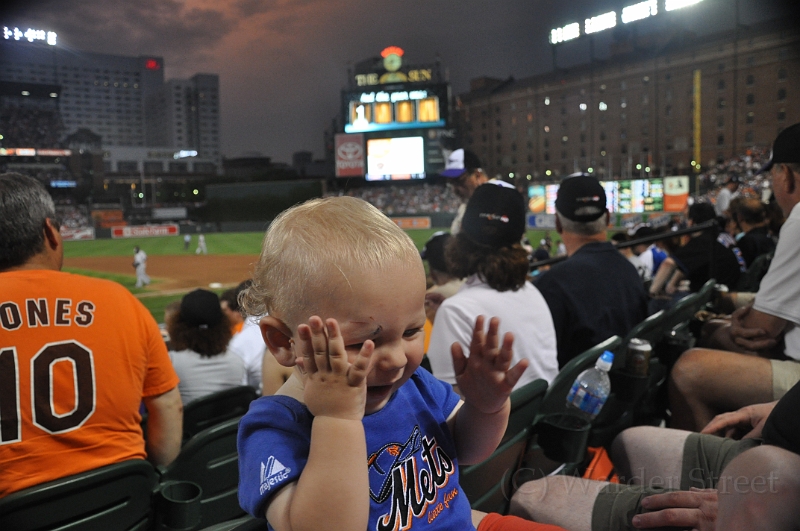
(487, 252)
(199, 336)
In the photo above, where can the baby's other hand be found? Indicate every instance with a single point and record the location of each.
(333, 386)
(486, 377)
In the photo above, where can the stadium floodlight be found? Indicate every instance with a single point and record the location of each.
(672, 5)
(567, 33)
(600, 22)
(639, 11)
(603, 106)
(30, 35)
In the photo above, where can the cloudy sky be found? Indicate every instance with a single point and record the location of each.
(282, 63)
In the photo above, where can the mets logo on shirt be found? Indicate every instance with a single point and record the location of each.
(272, 473)
(408, 477)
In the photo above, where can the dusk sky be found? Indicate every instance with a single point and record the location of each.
(282, 63)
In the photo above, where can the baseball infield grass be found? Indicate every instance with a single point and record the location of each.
(217, 243)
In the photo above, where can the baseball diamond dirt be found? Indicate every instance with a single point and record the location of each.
(176, 272)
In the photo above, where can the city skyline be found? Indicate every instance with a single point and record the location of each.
(282, 64)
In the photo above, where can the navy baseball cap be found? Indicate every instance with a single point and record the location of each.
(495, 215)
(581, 198)
(201, 309)
(459, 162)
(786, 149)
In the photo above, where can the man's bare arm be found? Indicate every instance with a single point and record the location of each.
(164, 426)
(750, 331)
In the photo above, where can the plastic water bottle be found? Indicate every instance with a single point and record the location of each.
(591, 388)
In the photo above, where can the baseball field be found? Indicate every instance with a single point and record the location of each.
(175, 270)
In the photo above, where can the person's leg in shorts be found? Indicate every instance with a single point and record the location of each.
(767, 499)
(706, 382)
(785, 373)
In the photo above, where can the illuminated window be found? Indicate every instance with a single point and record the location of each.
(428, 110)
(404, 111)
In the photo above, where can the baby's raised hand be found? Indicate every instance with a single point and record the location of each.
(333, 386)
(486, 377)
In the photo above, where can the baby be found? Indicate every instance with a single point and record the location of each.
(360, 437)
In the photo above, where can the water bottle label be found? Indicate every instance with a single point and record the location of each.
(586, 402)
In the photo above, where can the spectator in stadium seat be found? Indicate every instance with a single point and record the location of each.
(82, 352)
(445, 284)
(230, 307)
(645, 271)
(701, 258)
(249, 345)
(705, 382)
(595, 293)
(199, 336)
(360, 437)
(464, 167)
(651, 255)
(487, 253)
(732, 480)
(725, 195)
(751, 216)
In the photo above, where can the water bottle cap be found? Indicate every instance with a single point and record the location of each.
(606, 360)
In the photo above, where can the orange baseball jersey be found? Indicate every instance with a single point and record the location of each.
(77, 355)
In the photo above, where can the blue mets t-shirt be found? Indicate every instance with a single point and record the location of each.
(413, 470)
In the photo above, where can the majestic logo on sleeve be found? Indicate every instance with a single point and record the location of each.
(409, 475)
(272, 473)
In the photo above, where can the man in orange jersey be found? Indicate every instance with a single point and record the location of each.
(78, 356)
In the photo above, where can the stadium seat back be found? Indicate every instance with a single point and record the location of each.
(211, 460)
(216, 408)
(525, 404)
(687, 307)
(114, 497)
(555, 399)
(490, 484)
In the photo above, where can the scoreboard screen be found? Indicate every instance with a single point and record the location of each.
(623, 197)
(403, 107)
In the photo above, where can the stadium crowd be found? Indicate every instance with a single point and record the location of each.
(25, 127)
(408, 199)
(339, 315)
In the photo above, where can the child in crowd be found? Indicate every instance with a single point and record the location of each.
(359, 437)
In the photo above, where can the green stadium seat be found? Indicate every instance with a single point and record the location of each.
(490, 484)
(536, 461)
(216, 408)
(114, 497)
(525, 404)
(211, 460)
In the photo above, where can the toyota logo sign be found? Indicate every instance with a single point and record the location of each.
(350, 151)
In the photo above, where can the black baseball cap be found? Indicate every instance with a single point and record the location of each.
(495, 215)
(581, 198)
(785, 149)
(459, 162)
(433, 251)
(200, 308)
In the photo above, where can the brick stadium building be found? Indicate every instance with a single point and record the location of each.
(636, 107)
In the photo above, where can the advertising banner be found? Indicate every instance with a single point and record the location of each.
(83, 233)
(676, 193)
(350, 155)
(170, 213)
(413, 223)
(145, 231)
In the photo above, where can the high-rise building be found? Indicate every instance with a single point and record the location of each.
(124, 100)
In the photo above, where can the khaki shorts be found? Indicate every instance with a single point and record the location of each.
(784, 375)
(704, 457)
